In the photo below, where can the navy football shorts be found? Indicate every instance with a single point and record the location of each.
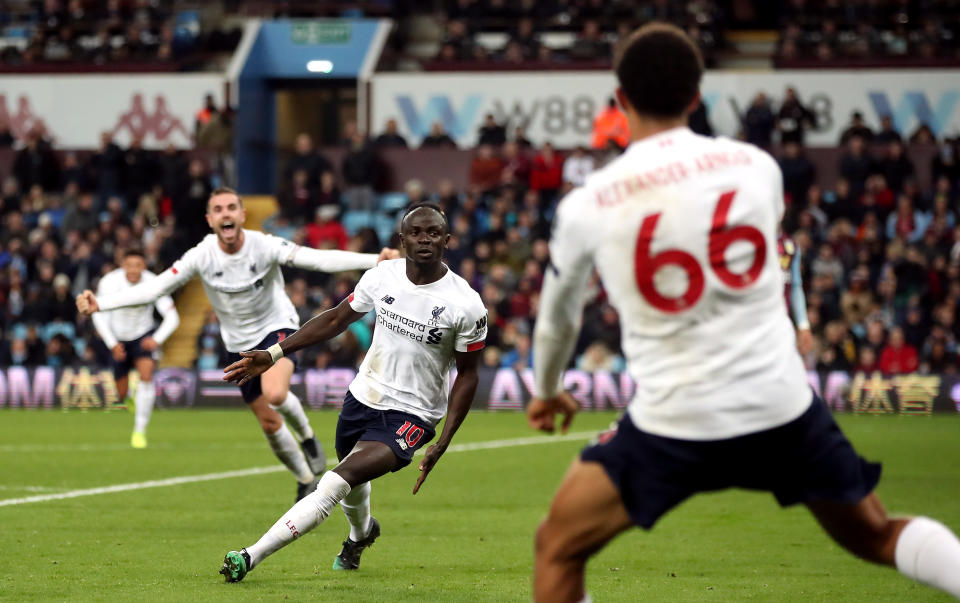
(134, 352)
(252, 389)
(402, 432)
(806, 460)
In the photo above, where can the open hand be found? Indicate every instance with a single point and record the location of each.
(429, 460)
(87, 303)
(388, 254)
(541, 412)
(253, 364)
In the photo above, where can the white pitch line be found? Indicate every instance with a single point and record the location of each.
(189, 479)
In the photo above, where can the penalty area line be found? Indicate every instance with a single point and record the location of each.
(190, 479)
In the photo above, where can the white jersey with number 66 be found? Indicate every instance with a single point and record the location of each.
(683, 232)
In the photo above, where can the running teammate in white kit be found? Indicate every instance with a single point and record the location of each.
(133, 337)
(683, 231)
(428, 318)
(240, 270)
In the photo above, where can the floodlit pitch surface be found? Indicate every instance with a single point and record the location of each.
(468, 535)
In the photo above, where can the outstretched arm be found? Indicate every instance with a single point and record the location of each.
(461, 398)
(146, 292)
(334, 260)
(321, 327)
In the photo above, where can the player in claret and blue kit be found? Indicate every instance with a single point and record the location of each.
(428, 319)
(683, 231)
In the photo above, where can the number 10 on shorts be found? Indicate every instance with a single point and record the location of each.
(411, 433)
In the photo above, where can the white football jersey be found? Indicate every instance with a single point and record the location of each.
(127, 324)
(683, 232)
(418, 329)
(245, 288)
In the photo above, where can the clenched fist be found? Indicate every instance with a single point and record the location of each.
(87, 303)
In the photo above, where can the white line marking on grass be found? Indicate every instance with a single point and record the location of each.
(189, 479)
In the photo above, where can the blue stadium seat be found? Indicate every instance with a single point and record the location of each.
(385, 226)
(392, 202)
(355, 220)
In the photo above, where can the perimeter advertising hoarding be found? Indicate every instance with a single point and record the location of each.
(499, 389)
(560, 106)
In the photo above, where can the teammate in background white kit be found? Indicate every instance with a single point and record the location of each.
(683, 232)
(427, 319)
(133, 337)
(240, 270)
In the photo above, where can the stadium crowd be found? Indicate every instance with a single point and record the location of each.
(855, 31)
(880, 254)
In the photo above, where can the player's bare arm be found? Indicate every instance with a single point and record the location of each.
(321, 327)
(461, 398)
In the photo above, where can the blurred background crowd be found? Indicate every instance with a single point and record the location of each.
(879, 241)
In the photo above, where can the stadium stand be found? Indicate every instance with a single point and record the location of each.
(875, 217)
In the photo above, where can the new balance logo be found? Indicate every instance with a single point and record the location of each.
(387, 299)
(434, 336)
(482, 323)
(218, 274)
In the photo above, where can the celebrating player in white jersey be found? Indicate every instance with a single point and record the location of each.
(682, 230)
(133, 337)
(427, 319)
(240, 271)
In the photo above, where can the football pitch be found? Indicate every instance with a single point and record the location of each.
(208, 484)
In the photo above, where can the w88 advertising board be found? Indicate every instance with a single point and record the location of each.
(560, 106)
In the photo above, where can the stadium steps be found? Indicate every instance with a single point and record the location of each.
(749, 50)
(180, 350)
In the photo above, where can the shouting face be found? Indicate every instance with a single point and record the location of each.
(226, 215)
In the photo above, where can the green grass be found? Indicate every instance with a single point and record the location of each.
(466, 537)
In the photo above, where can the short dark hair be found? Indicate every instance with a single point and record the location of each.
(224, 190)
(659, 70)
(428, 205)
(134, 251)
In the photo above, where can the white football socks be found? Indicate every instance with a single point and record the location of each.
(145, 397)
(356, 506)
(929, 552)
(286, 449)
(302, 517)
(292, 412)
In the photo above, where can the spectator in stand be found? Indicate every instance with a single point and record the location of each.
(798, 174)
(438, 138)
(329, 192)
(391, 137)
(108, 165)
(516, 163)
(139, 171)
(759, 122)
(898, 357)
(906, 223)
(546, 175)
(36, 164)
(857, 127)
(485, 169)
(298, 201)
(888, 132)
(577, 166)
(923, 135)
(590, 44)
(81, 217)
(867, 362)
(307, 159)
(794, 119)
(205, 114)
(526, 38)
(895, 166)
(325, 232)
(856, 165)
(610, 124)
(699, 121)
(491, 132)
(360, 172)
(945, 164)
(6, 136)
(190, 210)
(520, 138)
